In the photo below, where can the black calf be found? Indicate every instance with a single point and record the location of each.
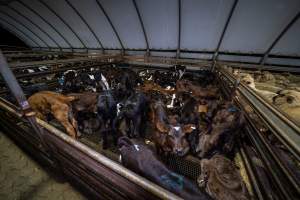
(142, 160)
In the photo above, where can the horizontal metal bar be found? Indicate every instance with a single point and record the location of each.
(12, 46)
(22, 55)
(49, 62)
(283, 128)
(116, 167)
(266, 67)
(204, 52)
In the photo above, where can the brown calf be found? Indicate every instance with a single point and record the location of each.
(221, 179)
(169, 135)
(150, 86)
(196, 91)
(224, 129)
(46, 102)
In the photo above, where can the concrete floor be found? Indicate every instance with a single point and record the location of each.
(23, 178)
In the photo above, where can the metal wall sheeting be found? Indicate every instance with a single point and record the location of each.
(194, 26)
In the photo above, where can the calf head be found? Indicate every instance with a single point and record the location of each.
(134, 154)
(220, 136)
(287, 98)
(221, 179)
(174, 135)
(248, 80)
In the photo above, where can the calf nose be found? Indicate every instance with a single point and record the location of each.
(179, 152)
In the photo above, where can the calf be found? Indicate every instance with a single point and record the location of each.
(86, 82)
(221, 179)
(85, 107)
(197, 91)
(221, 134)
(249, 80)
(106, 113)
(289, 102)
(67, 81)
(133, 110)
(165, 78)
(46, 102)
(149, 86)
(169, 135)
(141, 159)
(145, 75)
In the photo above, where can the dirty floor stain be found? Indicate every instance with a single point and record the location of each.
(22, 178)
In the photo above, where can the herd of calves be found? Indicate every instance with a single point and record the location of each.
(180, 112)
(281, 90)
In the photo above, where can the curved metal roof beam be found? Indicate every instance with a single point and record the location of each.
(142, 25)
(86, 23)
(18, 22)
(179, 30)
(64, 22)
(4, 21)
(216, 54)
(40, 16)
(36, 25)
(111, 24)
(286, 28)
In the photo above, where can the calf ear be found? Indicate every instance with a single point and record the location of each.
(188, 128)
(162, 127)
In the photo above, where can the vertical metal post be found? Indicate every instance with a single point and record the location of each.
(286, 28)
(17, 92)
(179, 30)
(216, 54)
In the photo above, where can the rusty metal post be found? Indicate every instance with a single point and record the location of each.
(17, 92)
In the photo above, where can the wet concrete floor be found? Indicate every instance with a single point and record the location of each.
(23, 178)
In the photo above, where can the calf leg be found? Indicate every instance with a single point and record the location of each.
(103, 131)
(137, 126)
(114, 125)
(40, 115)
(60, 112)
(73, 121)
